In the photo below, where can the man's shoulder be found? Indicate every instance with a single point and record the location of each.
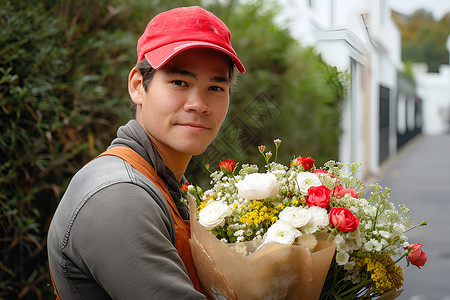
(104, 168)
(115, 187)
(109, 174)
(103, 172)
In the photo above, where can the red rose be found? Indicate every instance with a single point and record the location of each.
(185, 186)
(337, 189)
(318, 196)
(306, 162)
(227, 165)
(343, 219)
(416, 256)
(343, 192)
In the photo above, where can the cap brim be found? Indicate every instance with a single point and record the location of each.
(159, 57)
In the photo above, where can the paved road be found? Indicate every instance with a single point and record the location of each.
(420, 178)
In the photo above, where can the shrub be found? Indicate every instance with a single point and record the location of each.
(60, 103)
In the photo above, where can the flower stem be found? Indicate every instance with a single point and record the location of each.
(331, 236)
(421, 224)
(378, 210)
(400, 258)
(276, 152)
(356, 287)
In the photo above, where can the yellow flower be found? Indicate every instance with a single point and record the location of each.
(384, 273)
(202, 205)
(259, 214)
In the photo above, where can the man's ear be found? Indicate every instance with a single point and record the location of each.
(135, 86)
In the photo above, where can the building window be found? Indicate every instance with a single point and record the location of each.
(419, 113)
(411, 117)
(401, 114)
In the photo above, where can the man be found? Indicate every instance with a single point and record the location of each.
(120, 230)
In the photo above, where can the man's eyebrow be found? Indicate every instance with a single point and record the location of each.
(183, 73)
(193, 75)
(220, 79)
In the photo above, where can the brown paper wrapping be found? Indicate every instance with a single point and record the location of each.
(390, 295)
(275, 271)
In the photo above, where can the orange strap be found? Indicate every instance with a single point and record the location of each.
(182, 227)
(54, 287)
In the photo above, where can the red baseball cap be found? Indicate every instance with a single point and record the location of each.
(180, 29)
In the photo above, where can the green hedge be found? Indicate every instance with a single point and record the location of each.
(63, 94)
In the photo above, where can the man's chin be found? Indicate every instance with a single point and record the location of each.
(198, 152)
(197, 145)
(197, 148)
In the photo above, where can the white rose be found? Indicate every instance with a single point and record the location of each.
(295, 216)
(305, 180)
(319, 216)
(281, 232)
(213, 215)
(258, 186)
(319, 219)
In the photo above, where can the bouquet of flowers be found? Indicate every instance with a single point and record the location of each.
(309, 231)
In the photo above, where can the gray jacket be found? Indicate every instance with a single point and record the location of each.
(112, 237)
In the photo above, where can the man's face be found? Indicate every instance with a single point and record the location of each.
(186, 102)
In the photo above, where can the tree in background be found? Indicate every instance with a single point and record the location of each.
(423, 38)
(63, 94)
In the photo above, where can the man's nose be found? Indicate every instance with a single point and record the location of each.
(197, 102)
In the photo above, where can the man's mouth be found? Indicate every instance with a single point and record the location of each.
(195, 127)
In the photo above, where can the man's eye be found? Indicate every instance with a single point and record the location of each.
(216, 88)
(179, 82)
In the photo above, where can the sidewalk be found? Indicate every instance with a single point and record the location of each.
(419, 177)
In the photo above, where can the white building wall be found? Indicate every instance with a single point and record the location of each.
(358, 36)
(434, 90)
(374, 109)
(340, 52)
(386, 37)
